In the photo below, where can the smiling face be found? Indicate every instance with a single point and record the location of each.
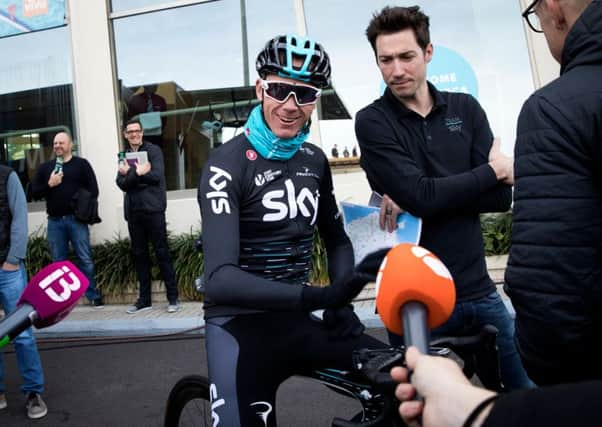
(62, 146)
(285, 120)
(402, 63)
(133, 133)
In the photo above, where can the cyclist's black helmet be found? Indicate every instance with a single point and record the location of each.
(278, 54)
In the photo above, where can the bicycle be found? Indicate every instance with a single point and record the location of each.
(189, 402)
(192, 398)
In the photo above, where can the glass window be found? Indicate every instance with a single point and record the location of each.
(124, 5)
(36, 99)
(476, 51)
(178, 69)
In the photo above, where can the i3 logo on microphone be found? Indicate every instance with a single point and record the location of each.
(66, 286)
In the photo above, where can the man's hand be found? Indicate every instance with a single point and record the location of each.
(389, 211)
(502, 165)
(143, 169)
(342, 323)
(7, 266)
(449, 398)
(124, 167)
(55, 179)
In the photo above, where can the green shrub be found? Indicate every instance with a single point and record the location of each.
(496, 228)
(116, 275)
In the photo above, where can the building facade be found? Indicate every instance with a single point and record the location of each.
(187, 70)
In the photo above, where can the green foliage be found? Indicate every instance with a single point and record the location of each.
(116, 275)
(319, 262)
(115, 272)
(496, 229)
(38, 253)
(188, 263)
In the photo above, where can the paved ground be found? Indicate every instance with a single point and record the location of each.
(126, 383)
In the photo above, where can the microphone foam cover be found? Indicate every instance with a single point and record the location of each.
(54, 291)
(412, 273)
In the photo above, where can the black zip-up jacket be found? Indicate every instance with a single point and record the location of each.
(258, 219)
(145, 193)
(554, 273)
(436, 168)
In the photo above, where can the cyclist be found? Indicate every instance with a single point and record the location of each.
(262, 195)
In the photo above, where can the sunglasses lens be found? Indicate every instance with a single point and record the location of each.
(305, 94)
(281, 91)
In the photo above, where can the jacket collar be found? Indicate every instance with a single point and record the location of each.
(402, 111)
(583, 44)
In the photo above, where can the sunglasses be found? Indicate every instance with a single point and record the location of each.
(280, 91)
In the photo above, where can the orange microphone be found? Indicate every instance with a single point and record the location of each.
(415, 292)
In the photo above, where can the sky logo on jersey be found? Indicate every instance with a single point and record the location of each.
(289, 203)
(267, 176)
(219, 198)
(215, 403)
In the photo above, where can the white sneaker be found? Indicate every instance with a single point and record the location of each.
(137, 308)
(172, 308)
(3, 403)
(36, 408)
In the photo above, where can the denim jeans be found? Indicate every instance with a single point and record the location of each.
(468, 317)
(145, 228)
(67, 229)
(12, 284)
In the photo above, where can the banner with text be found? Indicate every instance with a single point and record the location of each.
(24, 16)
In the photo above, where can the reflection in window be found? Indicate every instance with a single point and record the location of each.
(176, 69)
(36, 99)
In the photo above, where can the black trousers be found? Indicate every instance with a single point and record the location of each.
(145, 228)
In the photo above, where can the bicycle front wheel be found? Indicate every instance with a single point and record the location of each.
(188, 403)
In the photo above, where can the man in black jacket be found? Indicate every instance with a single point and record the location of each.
(432, 153)
(554, 274)
(58, 181)
(144, 207)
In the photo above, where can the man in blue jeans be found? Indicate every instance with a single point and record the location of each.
(13, 248)
(58, 181)
(433, 154)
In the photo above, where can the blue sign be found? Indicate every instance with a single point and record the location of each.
(449, 71)
(24, 16)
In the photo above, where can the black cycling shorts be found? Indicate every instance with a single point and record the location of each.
(250, 355)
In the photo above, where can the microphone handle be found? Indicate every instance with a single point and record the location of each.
(415, 326)
(416, 331)
(16, 322)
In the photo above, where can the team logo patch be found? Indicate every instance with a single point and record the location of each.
(454, 124)
(307, 151)
(267, 176)
(251, 155)
(307, 173)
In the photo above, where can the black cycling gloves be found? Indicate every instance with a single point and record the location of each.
(342, 292)
(342, 323)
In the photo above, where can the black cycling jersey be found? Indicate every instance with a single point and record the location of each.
(258, 219)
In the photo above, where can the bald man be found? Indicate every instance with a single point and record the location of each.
(554, 274)
(57, 181)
